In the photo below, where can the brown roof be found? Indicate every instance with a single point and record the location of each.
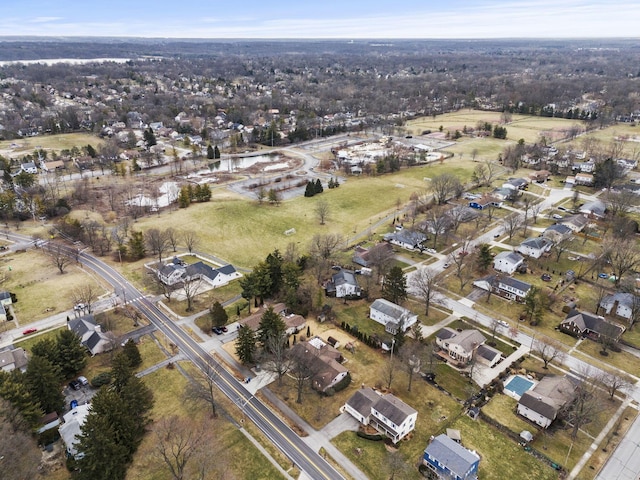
(253, 320)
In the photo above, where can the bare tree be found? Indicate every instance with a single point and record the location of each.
(59, 257)
(322, 211)
(191, 240)
(172, 238)
(444, 186)
(411, 355)
(561, 246)
(275, 356)
(422, 283)
(437, 224)
(323, 247)
(619, 203)
(191, 286)
(396, 465)
(304, 365)
(535, 211)
(511, 223)
(390, 368)
(178, 441)
(86, 295)
(165, 289)
(462, 262)
(623, 256)
(549, 351)
(586, 404)
(202, 387)
(380, 257)
(613, 382)
(484, 173)
(19, 454)
(158, 242)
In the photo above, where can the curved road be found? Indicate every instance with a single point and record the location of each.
(279, 433)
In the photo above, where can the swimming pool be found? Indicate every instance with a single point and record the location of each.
(518, 385)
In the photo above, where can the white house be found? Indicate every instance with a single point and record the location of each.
(391, 315)
(71, 428)
(507, 262)
(386, 413)
(542, 403)
(507, 287)
(621, 304)
(176, 272)
(535, 246)
(405, 238)
(29, 167)
(595, 209)
(575, 222)
(343, 284)
(557, 232)
(5, 301)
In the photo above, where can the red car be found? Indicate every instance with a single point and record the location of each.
(29, 331)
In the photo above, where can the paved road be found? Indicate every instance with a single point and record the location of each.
(279, 433)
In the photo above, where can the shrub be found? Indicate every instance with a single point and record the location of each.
(342, 384)
(375, 437)
(101, 379)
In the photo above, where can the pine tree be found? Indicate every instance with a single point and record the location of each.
(14, 390)
(246, 345)
(104, 458)
(484, 257)
(394, 287)
(42, 379)
(219, 316)
(183, 198)
(132, 353)
(136, 247)
(46, 348)
(318, 187)
(216, 152)
(271, 326)
(310, 191)
(72, 356)
(210, 153)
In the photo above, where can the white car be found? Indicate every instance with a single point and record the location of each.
(446, 265)
(431, 251)
(503, 323)
(556, 216)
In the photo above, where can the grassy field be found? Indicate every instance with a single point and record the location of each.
(48, 142)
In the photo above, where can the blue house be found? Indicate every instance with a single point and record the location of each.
(448, 460)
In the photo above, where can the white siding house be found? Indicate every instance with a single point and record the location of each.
(507, 262)
(535, 246)
(391, 315)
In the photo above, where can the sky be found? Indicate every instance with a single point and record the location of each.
(344, 19)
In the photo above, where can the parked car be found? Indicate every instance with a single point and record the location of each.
(556, 216)
(545, 277)
(496, 235)
(75, 385)
(603, 275)
(83, 380)
(79, 306)
(217, 330)
(431, 251)
(446, 265)
(29, 331)
(336, 267)
(503, 323)
(3, 247)
(224, 329)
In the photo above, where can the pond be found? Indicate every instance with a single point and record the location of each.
(241, 163)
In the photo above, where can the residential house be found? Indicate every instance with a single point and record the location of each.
(508, 262)
(507, 287)
(595, 209)
(503, 194)
(343, 285)
(584, 324)
(546, 399)
(540, 176)
(576, 222)
(71, 429)
(621, 304)
(29, 167)
(327, 366)
(516, 184)
(392, 316)
(405, 238)
(52, 166)
(177, 271)
(48, 421)
(15, 359)
(386, 413)
(535, 246)
(585, 179)
(5, 301)
(91, 334)
(448, 460)
(584, 167)
(458, 347)
(557, 232)
(293, 323)
(488, 355)
(486, 201)
(361, 254)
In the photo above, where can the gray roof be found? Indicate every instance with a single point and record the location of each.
(549, 395)
(393, 408)
(227, 269)
(362, 400)
(453, 456)
(201, 268)
(445, 333)
(596, 207)
(576, 220)
(406, 236)
(488, 353)
(512, 257)
(560, 228)
(586, 321)
(82, 325)
(468, 339)
(344, 276)
(623, 298)
(536, 242)
(517, 284)
(389, 308)
(4, 295)
(16, 357)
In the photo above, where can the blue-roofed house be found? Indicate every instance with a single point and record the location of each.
(448, 460)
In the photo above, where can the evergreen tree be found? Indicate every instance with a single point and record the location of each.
(394, 287)
(136, 248)
(91, 151)
(210, 153)
(485, 259)
(246, 345)
(46, 348)
(149, 138)
(121, 371)
(42, 379)
(216, 152)
(271, 326)
(184, 199)
(135, 166)
(318, 187)
(72, 356)
(249, 288)
(310, 191)
(13, 389)
(219, 316)
(274, 265)
(132, 353)
(104, 458)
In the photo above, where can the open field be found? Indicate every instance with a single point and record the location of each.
(28, 145)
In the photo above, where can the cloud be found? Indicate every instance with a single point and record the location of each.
(45, 19)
